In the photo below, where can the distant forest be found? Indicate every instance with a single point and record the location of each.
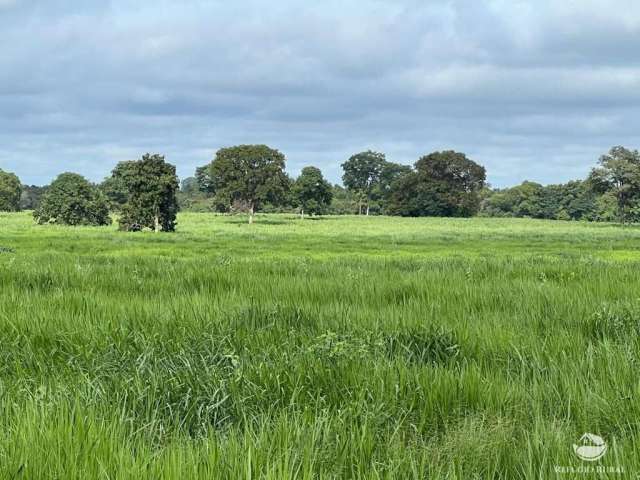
(252, 178)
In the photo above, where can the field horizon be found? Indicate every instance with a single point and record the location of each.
(329, 347)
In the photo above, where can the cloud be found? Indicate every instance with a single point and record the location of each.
(533, 90)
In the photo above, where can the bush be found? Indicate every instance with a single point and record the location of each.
(72, 200)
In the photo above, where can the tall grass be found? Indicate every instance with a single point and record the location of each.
(333, 348)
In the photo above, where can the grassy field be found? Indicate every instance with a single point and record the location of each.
(342, 347)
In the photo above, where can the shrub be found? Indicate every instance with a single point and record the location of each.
(72, 200)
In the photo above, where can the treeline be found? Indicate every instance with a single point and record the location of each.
(145, 193)
(250, 178)
(611, 192)
(575, 200)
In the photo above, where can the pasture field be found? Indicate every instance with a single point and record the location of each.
(339, 347)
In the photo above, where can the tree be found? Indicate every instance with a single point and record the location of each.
(247, 176)
(72, 200)
(204, 180)
(390, 173)
(150, 185)
(619, 174)
(442, 184)
(362, 175)
(10, 191)
(413, 195)
(343, 202)
(311, 192)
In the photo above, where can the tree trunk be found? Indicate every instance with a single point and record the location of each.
(302, 214)
(156, 223)
(367, 209)
(250, 214)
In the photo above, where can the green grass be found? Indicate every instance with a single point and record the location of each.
(342, 347)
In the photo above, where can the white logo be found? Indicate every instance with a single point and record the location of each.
(591, 448)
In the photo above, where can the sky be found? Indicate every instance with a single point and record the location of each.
(534, 90)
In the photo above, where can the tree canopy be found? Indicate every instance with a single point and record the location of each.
(311, 192)
(362, 175)
(150, 186)
(246, 176)
(441, 184)
(249, 178)
(618, 173)
(570, 201)
(10, 191)
(72, 200)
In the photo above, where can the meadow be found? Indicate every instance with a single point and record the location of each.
(336, 347)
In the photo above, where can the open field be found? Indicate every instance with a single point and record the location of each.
(341, 347)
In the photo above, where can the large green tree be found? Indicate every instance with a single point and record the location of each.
(10, 191)
(446, 184)
(72, 200)
(618, 173)
(150, 185)
(362, 176)
(311, 193)
(246, 176)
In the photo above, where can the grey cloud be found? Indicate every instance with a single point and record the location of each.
(530, 89)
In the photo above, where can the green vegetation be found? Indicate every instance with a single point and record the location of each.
(444, 184)
(247, 176)
(10, 191)
(618, 173)
(337, 347)
(145, 190)
(72, 200)
(311, 192)
(610, 193)
(448, 184)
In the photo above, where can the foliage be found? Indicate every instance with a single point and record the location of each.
(343, 202)
(72, 200)
(116, 192)
(362, 176)
(204, 180)
(389, 174)
(252, 177)
(247, 176)
(442, 184)
(574, 200)
(311, 192)
(10, 191)
(619, 173)
(151, 185)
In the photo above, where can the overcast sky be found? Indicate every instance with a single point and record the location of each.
(532, 90)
